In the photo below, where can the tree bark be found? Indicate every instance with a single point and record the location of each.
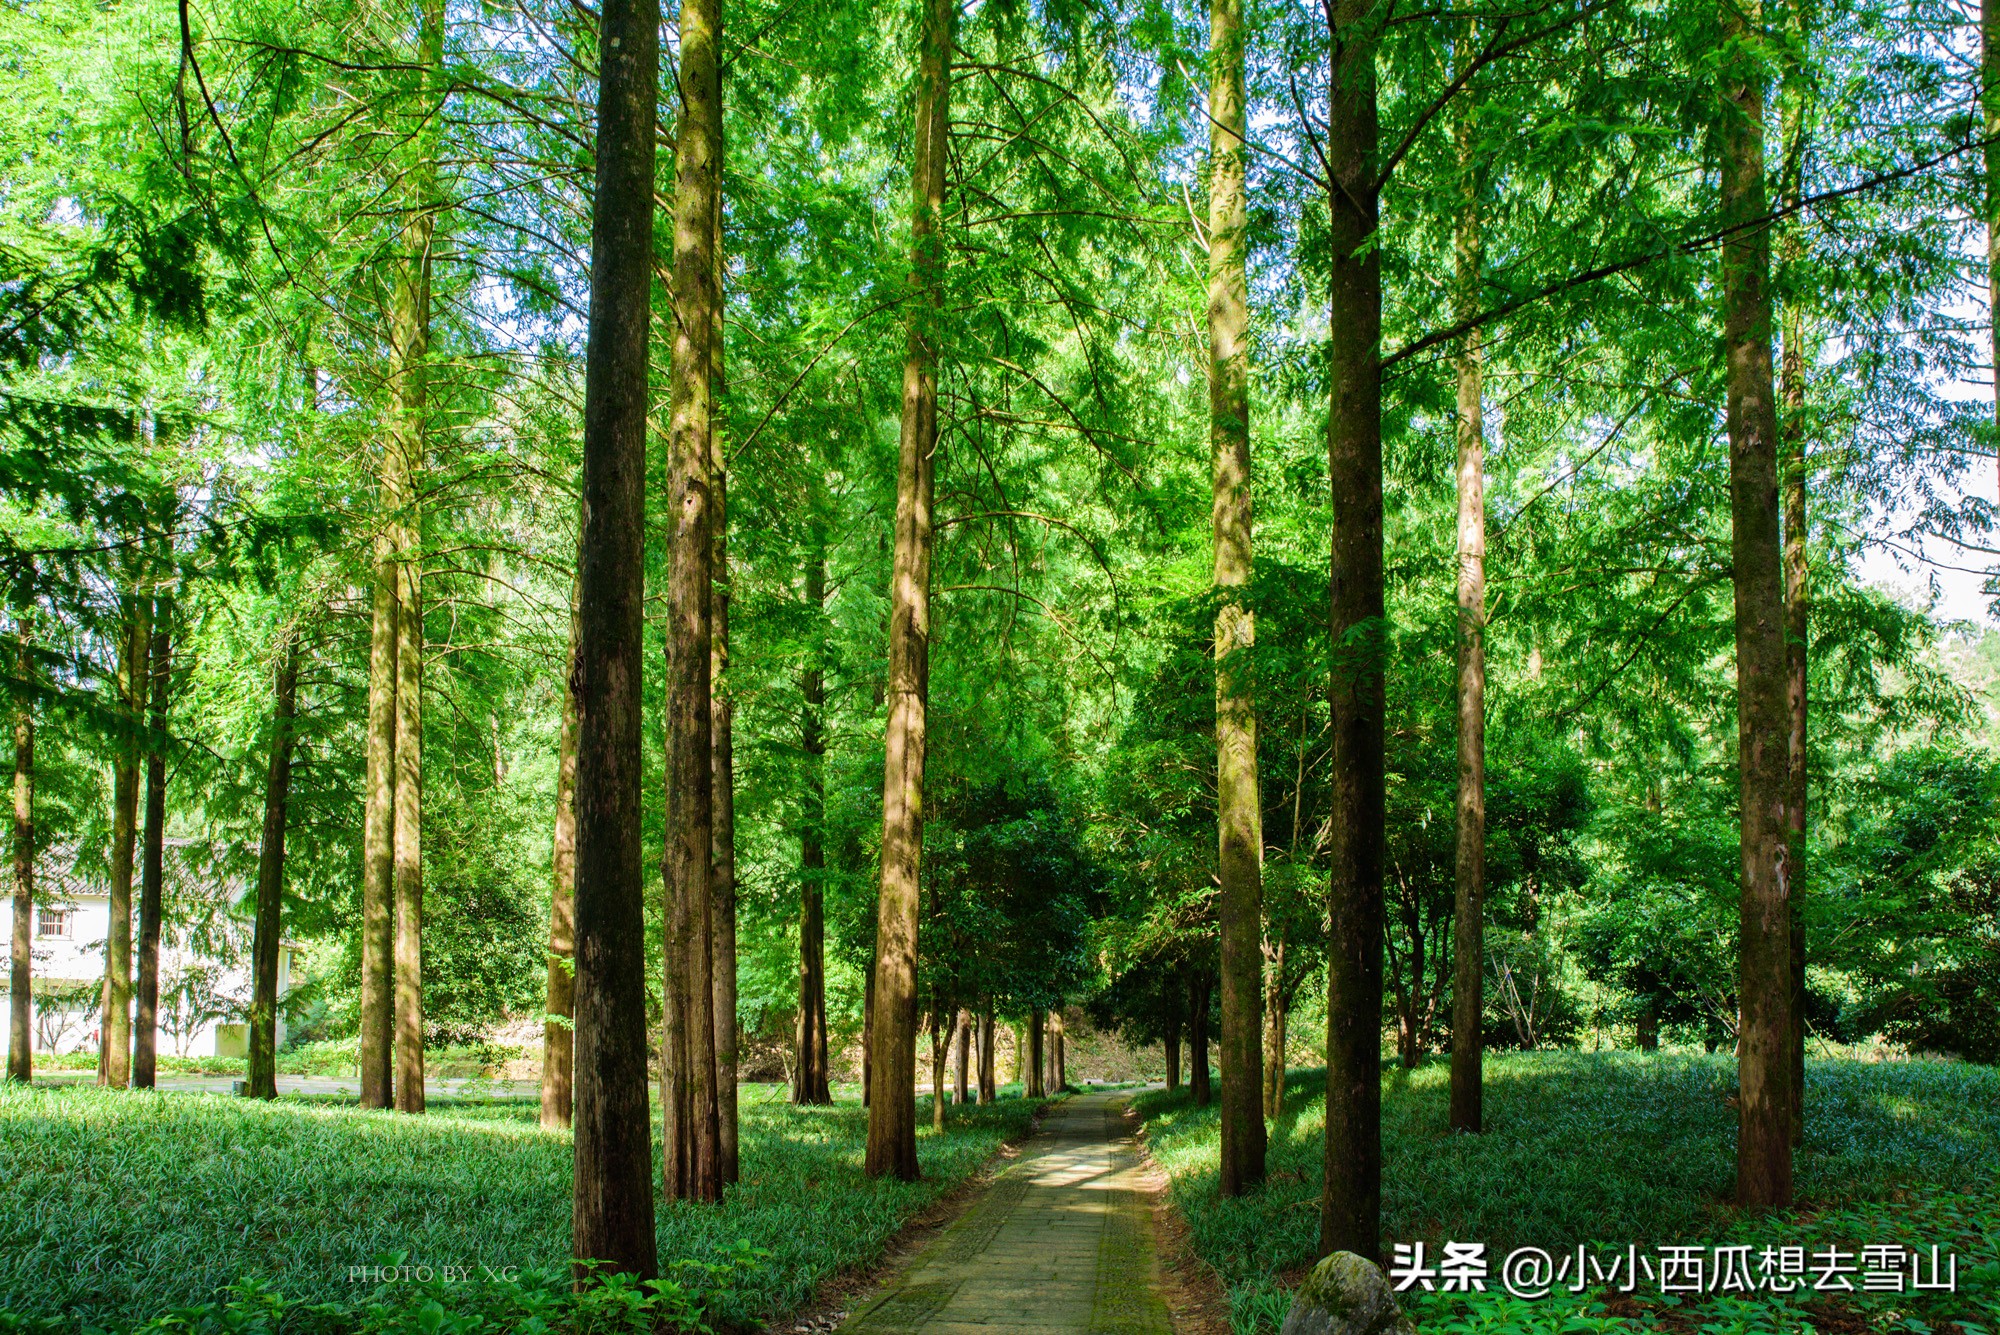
(145, 1027)
(1058, 1053)
(1199, 988)
(378, 836)
(21, 1013)
(940, 1052)
(410, 323)
(1239, 814)
(692, 1115)
(1350, 1210)
(1031, 1066)
(115, 1052)
(1469, 918)
(1764, 1118)
(961, 1044)
(268, 932)
(721, 725)
(612, 1213)
(1798, 592)
(892, 1145)
(988, 1086)
(810, 1074)
(1276, 1007)
(1172, 1044)
(559, 1006)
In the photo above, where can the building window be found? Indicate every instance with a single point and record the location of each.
(53, 922)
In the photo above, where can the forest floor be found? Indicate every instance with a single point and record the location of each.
(124, 1208)
(1625, 1154)
(1060, 1244)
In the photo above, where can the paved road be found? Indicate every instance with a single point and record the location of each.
(1061, 1242)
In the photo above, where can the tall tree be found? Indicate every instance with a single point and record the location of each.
(1764, 1117)
(559, 1006)
(134, 656)
(892, 1126)
(268, 931)
(1239, 814)
(809, 1069)
(1350, 1207)
(1468, 1002)
(612, 1212)
(159, 676)
(21, 1012)
(690, 1101)
(721, 717)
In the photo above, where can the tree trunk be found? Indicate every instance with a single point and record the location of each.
(961, 1044)
(721, 722)
(1468, 1002)
(1172, 1044)
(988, 1086)
(1239, 815)
(268, 932)
(1764, 1117)
(1276, 1004)
(940, 1051)
(1649, 1028)
(115, 1051)
(1031, 1065)
(892, 1145)
(1058, 1051)
(145, 1028)
(378, 819)
(1798, 592)
(868, 1042)
(1350, 1211)
(410, 323)
(612, 1215)
(559, 1006)
(810, 1075)
(1199, 988)
(21, 1014)
(692, 1122)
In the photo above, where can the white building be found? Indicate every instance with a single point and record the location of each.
(205, 980)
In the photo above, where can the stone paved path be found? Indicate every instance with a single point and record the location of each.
(1061, 1242)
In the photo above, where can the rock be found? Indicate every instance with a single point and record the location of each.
(1346, 1295)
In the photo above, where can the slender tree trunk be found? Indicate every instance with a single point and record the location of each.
(559, 1006)
(21, 1015)
(1058, 1051)
(410, 324)
(988, 1086)
(810, 1078)
(1031, 1067)
(868, 1043)
(961, 1044)
(115, 1053)
(1172, 1044)
(940, 1052)
(692, 1116)
(612, 1215)
(1764, 1118)
(721, 722)
(145, 1028)
(1350, 1209)
(1649, 1028)
(1468, 1002)
(1239, 813)
(892, 1145)
(378, 837)
(1199, 988)
(268, 932)
(1798, 591)
(1276, 1006)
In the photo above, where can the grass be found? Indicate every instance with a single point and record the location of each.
(334, 1060)
(1613, 1149)
(122, 1207)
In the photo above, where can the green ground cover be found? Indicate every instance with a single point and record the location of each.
(332, 1059)
(1613, 1149)
(124, 1208)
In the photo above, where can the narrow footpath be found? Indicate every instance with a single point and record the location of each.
(1061, 1242)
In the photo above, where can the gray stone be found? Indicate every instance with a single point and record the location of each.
(1346, 1295)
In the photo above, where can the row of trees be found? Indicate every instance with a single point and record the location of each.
(375, 368)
